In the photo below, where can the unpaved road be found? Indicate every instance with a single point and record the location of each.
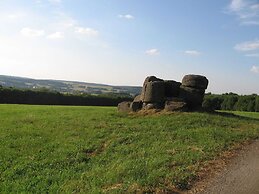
(241, 176)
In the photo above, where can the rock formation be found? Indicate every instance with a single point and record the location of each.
(169, 95)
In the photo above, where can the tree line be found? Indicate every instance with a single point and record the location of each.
(45, 97)
(232, 102)
(227, 101)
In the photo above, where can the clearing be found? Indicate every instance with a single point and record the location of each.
(50, 149)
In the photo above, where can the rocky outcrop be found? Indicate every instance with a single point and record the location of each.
(169, 95)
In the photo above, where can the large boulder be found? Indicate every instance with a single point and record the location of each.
(170, 95)
(154, 92)
(124, 107)
(176, 105)
(172, 88)
(192, 96)
(195, 81)
(136, 106)
(147, 80)
(151, 79)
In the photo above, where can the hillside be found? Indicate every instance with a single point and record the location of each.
(65, 86)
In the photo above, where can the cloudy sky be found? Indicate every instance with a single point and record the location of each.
(121, 42)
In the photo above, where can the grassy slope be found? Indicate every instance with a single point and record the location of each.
(94, 149)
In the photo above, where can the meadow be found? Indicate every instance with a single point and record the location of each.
(65, 149)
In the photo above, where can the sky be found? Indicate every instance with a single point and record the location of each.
(120, 42)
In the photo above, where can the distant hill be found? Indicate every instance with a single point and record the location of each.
(62, 86)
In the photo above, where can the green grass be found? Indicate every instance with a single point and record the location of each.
(55, 149)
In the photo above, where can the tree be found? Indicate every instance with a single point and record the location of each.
(212, 102)
(229, 102)
(257, 104)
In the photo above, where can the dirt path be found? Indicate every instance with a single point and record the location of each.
(241, 176)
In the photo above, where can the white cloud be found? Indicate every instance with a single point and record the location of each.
(248, 46)
(127, 16)
(252, 55)
(56, 36)
(247, 11)
(152, 52)
(236, 5)
(86, 31)
(193, 53)
(29, 32)
(255, 69)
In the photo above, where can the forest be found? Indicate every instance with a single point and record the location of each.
(46, 97)
(232, 102)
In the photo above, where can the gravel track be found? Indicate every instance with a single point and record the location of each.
(241, 176)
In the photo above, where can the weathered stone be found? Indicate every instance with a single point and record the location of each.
(192, 96)
(136, 106)
(172, 88)
(176, 105)
(150, 106)
(195, 81)
(170, 95)
(155, 92)
(147, 80)
(137, 98)
(151, 79)
(124, 107)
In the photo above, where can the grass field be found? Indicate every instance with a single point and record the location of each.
(50, 149)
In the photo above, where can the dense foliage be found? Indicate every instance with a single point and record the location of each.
(45, 97)
(231, 101)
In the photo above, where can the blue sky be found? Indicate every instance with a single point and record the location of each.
(121, 42)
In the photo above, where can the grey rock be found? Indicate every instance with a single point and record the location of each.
(147, 80)
(124, 107)
(136, 106)
(195, 81)
(172, 88)
(176, 105)
(150, 106)
(137, 99)
(155, 92)
(192, 96)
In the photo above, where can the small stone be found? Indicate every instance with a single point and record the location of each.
(150, 106)
(176, 105)
(124, 107)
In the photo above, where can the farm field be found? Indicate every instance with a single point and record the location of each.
(50, 149)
